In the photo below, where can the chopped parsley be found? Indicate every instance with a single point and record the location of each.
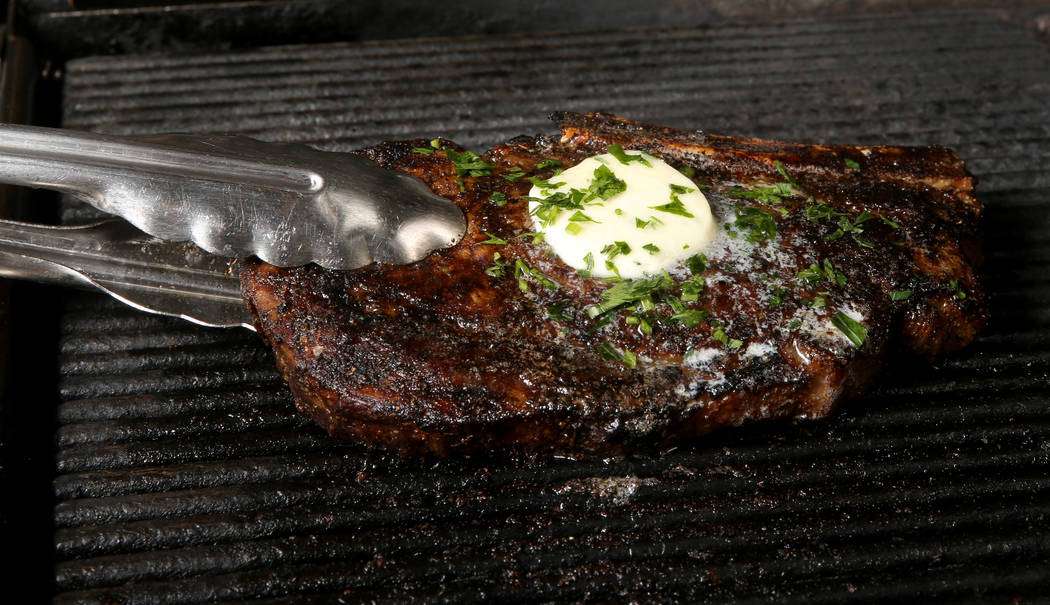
(627, 358)
(604, 185)
(959, 294)
(544, 183)
(498, 268)
(761, 224)
(513, 174)
(766, 195)
(522, 271)
(493, 239)
(629, 291)
(696, 263)
(819, 212)
(537, 236)
(468, 163)
(589, 263)
(855, 332)
(852, 164)
(580, 217)
(615, 249)
(551, 206)
(690, 318)
(770, 195)
(652, 221)
(721, 336)
(900, 294)
(616, 150)
(561, 311)
(651, 248)
(688, 171)
(498, 198)
(435, 144)
(853, 228)
(548, 163)
(815, 273)
(674, 207)
(691, 288)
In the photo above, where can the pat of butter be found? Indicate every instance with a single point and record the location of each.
(659, 220)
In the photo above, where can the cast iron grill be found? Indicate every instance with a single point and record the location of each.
(183, 474)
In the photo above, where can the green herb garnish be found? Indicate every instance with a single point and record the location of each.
(498, 198)
(696, 263)
(544, 183)
(537, 236)
(561, 311)
(604, 185)
(493, 239)
(900, 294)
(675, 207)
(615, 249)
(521, 271)
(468, 163)
(761, 224)
(652, 221)
(627, 358)
(616, 150)
(548, 163)
(855, 332)
(498, 268)
(959, 294)
(721, 336)
(580, 217)
(551, 206)
(815, 273)
(589, 262)
(818, 212)
(783, 173)
(651, 248)
(513, 174)
(852, 164)
(629, 291)
(692, 288)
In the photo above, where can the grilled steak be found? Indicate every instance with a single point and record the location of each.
(472, 351)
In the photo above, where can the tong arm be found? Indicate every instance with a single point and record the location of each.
(153, 275)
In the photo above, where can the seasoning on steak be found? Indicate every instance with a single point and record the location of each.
(467, 351)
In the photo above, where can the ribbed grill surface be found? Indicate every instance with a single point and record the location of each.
(184, 474)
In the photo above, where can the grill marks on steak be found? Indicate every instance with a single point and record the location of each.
(438, 356)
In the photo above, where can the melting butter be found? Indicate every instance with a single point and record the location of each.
(658, 220)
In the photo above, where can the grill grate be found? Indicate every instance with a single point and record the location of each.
(183, 473)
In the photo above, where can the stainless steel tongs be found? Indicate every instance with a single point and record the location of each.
(233, 196)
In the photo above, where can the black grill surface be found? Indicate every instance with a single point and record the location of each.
(183, 473)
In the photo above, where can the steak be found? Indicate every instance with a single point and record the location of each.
(829, 257)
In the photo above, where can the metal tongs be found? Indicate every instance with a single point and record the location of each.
(232, 196)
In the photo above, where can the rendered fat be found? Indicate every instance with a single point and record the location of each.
(657, 239)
